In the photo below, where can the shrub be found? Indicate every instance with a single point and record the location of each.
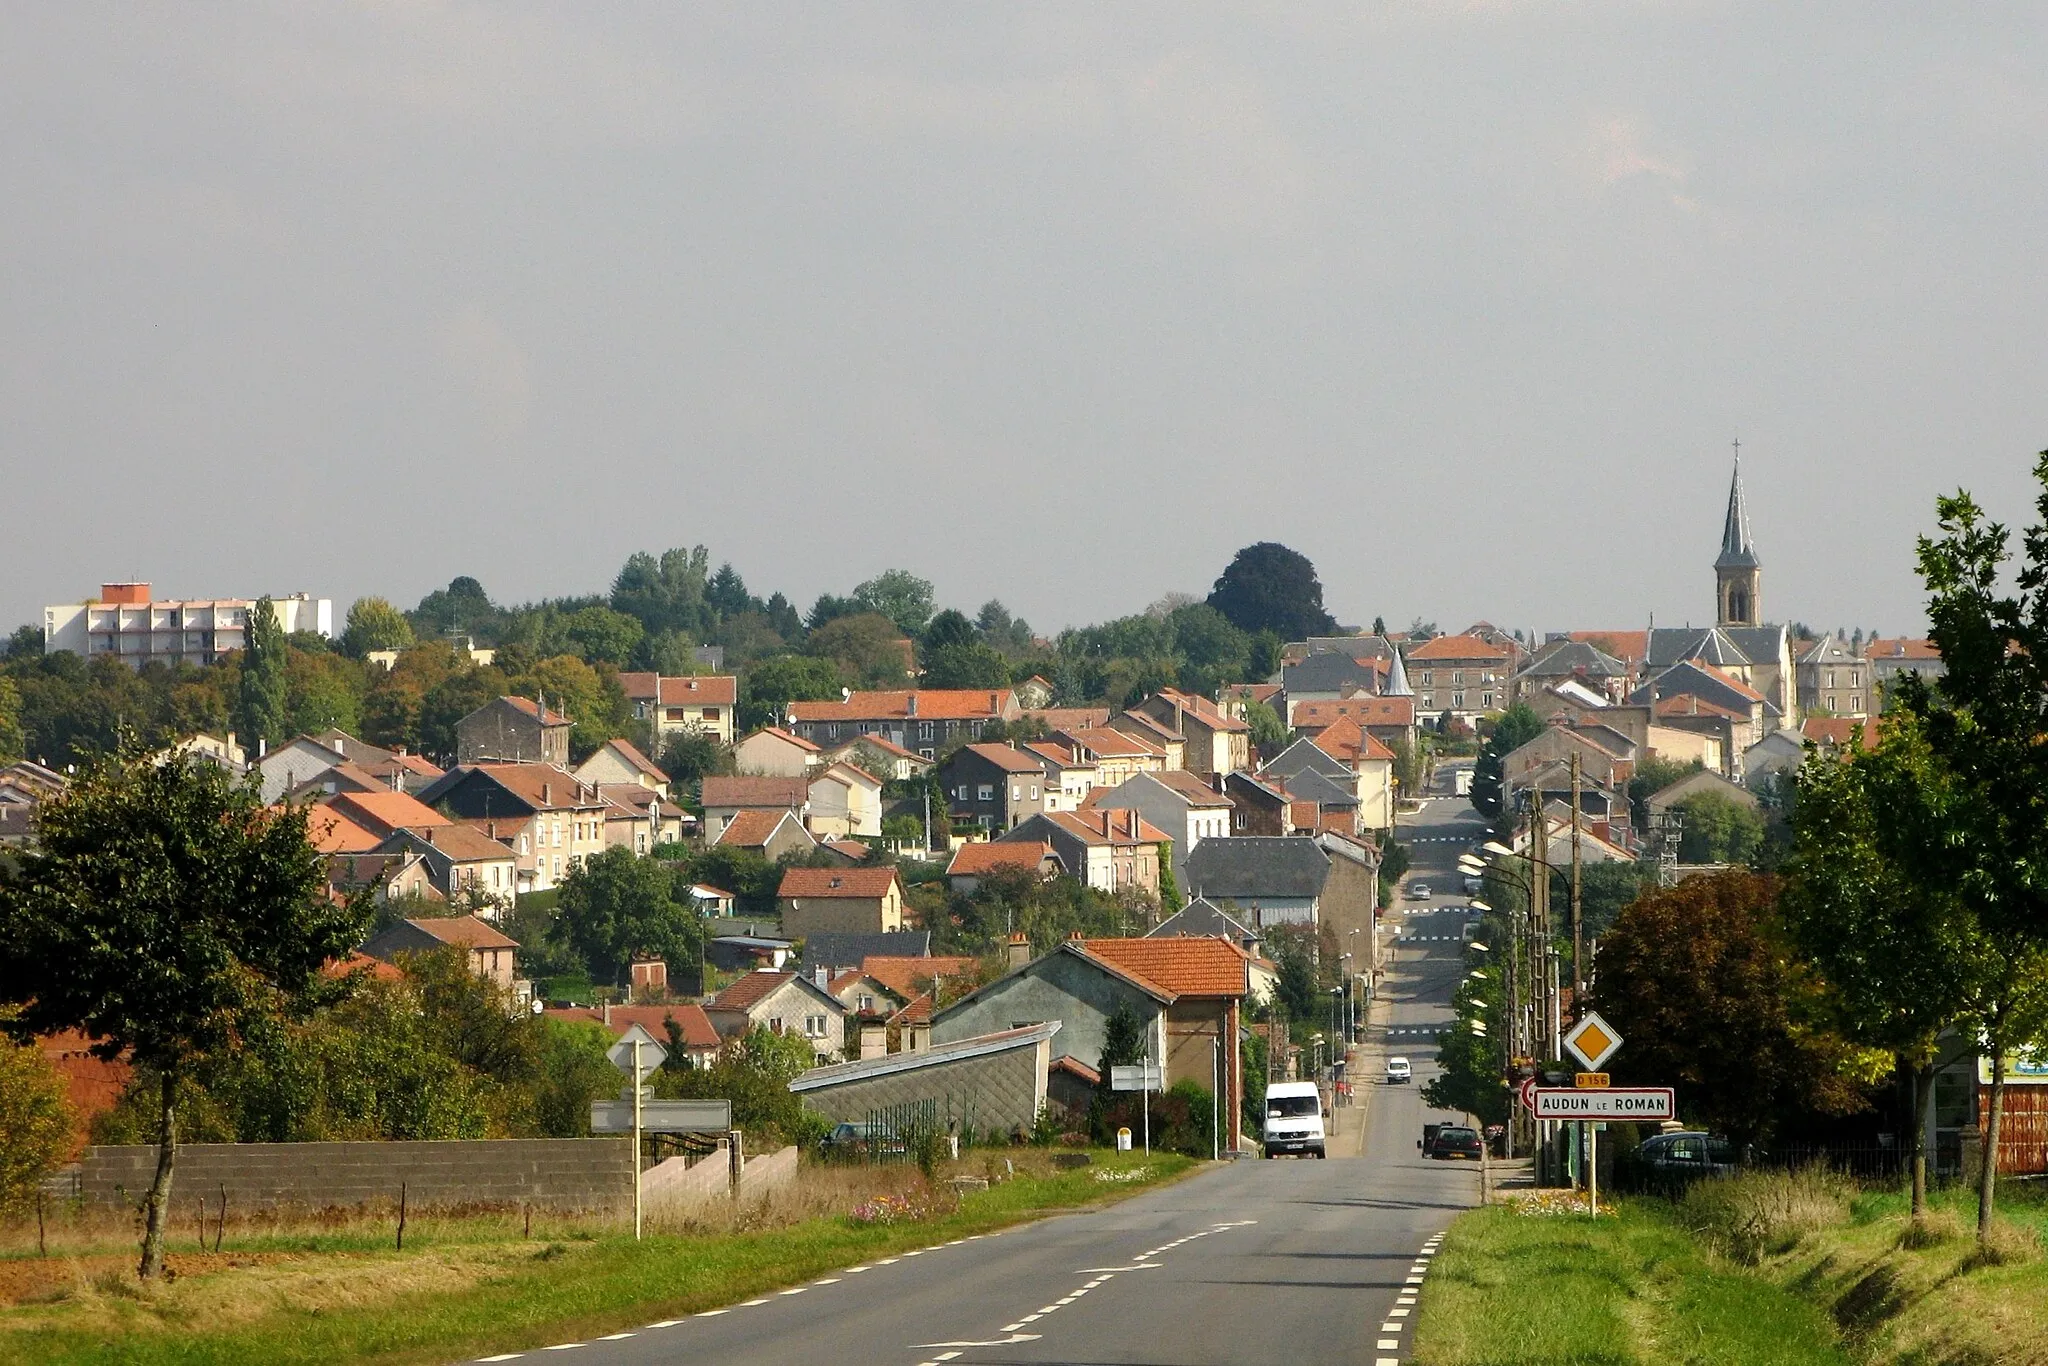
(35, 1123)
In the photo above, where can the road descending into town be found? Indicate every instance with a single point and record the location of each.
(1254, 1262)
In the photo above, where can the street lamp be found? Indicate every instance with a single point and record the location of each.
(1344, 986)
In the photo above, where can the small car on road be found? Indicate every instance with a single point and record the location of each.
(1418, 891)
(1398, 1071)
(1294, 1118)
(1454, 1142)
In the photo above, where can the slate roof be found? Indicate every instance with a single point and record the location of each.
(1203, 917)
(1241, 867)
(1303, 754)
(1330, 673)
(1737, 550)
(1310, 786)
(839, 951)
(1575, 657)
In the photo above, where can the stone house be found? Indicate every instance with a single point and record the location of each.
(771, 833)
(701, 702)
(488, 951)
(1269, 881)
(922, 721)
(993, 787)
(1258, 806)
(773, 752)
(845, 802)
(1217, 741)
(1111, 851)
(781, 1003)
(840, 901)
(549, 820)
(513, 730)
(725, 797)
(459, 858)
(1464, 675)
(619, 761)
(1177, 801)
(977, 859)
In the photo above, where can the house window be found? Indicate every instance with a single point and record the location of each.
(1855, 703)
(1016, 793)
(1486, 700)
(1034, 792)
(677, 714)
(1831, 679)
(814, 1026)
(832, 731)
(1425, 678)
(710, 713)
(1457, 677)
(924, 730)
(924, 754)
(974, 729)
(558, 865)
(1458, 700)
(965, 793)
(522, 844)
(867, 1002)
(774, 1024)
(986, 792)
(1428, 700)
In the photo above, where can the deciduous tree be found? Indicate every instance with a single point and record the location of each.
(165, 912)
(1268, 587)
(374, 624)
(261, 711)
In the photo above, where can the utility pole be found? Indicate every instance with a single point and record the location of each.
(1578, 906)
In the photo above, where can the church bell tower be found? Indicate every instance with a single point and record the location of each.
(1738, 574)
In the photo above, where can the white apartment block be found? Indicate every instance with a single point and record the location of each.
(126, 623)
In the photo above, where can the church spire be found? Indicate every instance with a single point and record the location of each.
(1397, 674)
(1737, 551)
(1738, 573)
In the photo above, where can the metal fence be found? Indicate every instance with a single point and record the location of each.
(898, 1133)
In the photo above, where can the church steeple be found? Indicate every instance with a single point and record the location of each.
(1738, 573)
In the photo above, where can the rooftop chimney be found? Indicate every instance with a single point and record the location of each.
(822, 975)
(1073, 936)
(547, 794)
(1018, 950)
(910, 704)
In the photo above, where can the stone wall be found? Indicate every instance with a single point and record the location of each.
(548, 1173)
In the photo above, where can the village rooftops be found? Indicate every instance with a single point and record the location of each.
(384, 812)
(1110, 826)
(531, 708)
(1185, 966)
(689, 690)
(1006, 758)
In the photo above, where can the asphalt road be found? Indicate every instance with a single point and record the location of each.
(1253, 1262)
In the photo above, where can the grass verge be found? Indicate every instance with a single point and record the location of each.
(1768, 1268)
(1510, 1289)
(465, 1297)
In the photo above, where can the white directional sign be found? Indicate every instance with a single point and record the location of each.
(652, 1052)
(1144, 1076)
(662, 1116)
(1613, 1102)
(1592, 1040)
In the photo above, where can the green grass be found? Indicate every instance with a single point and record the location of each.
(460, 1299)
(1517, 1290)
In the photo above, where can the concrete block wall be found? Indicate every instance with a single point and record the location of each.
(677, 1184)
(764, 1174)
(565, 1174)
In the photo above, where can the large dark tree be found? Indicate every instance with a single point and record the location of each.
(166, 913)
(1271, 588)
(1517, 726)
(616, 907)
(1702, 983)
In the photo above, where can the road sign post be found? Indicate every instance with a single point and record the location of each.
(633, 1049)
(1144, 1078)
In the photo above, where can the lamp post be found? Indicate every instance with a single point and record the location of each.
(1344, 986)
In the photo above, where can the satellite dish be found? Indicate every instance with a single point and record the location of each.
(538, 1005)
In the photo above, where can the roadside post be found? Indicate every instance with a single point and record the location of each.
(1144, 1078)
(1592, 1041)
(627, 1055)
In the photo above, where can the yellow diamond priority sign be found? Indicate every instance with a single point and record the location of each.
(1592, 1041)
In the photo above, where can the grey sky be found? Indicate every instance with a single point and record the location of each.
(1061, 304)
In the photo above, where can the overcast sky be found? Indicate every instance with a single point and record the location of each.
(1061, 304)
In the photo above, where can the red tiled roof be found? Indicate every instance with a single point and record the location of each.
(1900, 647)
(979, 857)
(1630, 647)
(532, 708)
(788, 794)
(864, 883)
(542, 786)
(1837, 730)
(1113, 743)
(696, 1026)
(1063, 755)
(751, 829)
(330, 832)
(1185, 966)
(1456, 647)
(778, 733)
(1363, 708)
(462, 842)
(1006, 758)
(1212, 715)
(881, 743)
(909, 976)
(1070, 718)
(852, 849)
(634, 758)
(933, 704)
(363, 963)
(751, 989)
(465, 930)
(700, 690)
(385, 812)
(1107, 827)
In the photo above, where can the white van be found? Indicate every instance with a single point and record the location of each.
(1294, 1118)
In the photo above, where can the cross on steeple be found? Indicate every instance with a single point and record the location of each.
(1738, 573)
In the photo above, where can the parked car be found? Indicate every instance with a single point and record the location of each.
(1685, 1156)
(1398, 1071)
(1455, 1142)
(1418, 891)
(847, 1139)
